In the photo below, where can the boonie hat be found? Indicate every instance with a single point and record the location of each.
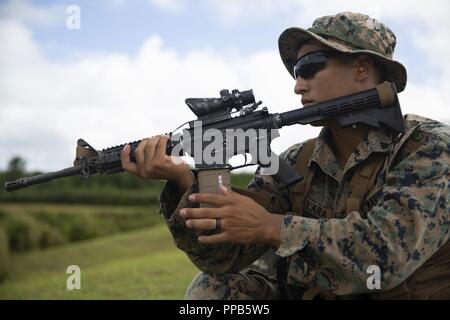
(347, 32)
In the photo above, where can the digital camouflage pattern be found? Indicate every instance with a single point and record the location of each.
(249, 285)
(406, 223)
(347, 32)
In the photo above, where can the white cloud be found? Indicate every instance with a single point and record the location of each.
(112, 99)
(426, 23)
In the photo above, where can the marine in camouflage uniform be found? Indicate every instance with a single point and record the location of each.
(331, 230)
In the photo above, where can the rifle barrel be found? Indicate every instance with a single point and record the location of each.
(28, 181)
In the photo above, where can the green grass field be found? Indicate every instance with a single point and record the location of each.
(109, 227)
(141, 264)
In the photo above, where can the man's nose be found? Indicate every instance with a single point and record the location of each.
(300, 86)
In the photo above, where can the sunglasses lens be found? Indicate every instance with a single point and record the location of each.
(308, 65)
(308, 70)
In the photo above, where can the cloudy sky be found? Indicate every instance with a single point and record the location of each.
(124, 74)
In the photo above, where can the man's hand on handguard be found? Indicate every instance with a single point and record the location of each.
(152, 162)
(242, 220)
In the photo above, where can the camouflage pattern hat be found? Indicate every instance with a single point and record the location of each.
(347, 32)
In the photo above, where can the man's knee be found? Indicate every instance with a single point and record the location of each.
(206, 286)
(230, 286)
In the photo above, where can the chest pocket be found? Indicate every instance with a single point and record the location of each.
(362, 184)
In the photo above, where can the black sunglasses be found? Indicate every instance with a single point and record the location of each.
(309, 64)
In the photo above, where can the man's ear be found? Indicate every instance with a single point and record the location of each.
(363, 67)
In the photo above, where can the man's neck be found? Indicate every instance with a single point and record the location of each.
(345, 140)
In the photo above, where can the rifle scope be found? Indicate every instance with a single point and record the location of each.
(203, 107)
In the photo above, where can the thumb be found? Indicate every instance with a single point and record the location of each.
(224, 190)
(124, 155)
(127, 165)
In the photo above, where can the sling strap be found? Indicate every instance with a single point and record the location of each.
(363, 180)
(299, 191)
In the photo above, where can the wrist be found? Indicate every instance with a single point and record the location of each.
(185, 182)
(272, 230)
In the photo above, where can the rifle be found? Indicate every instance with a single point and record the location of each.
(376, 107)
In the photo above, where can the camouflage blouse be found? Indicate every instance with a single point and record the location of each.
(406, 223)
